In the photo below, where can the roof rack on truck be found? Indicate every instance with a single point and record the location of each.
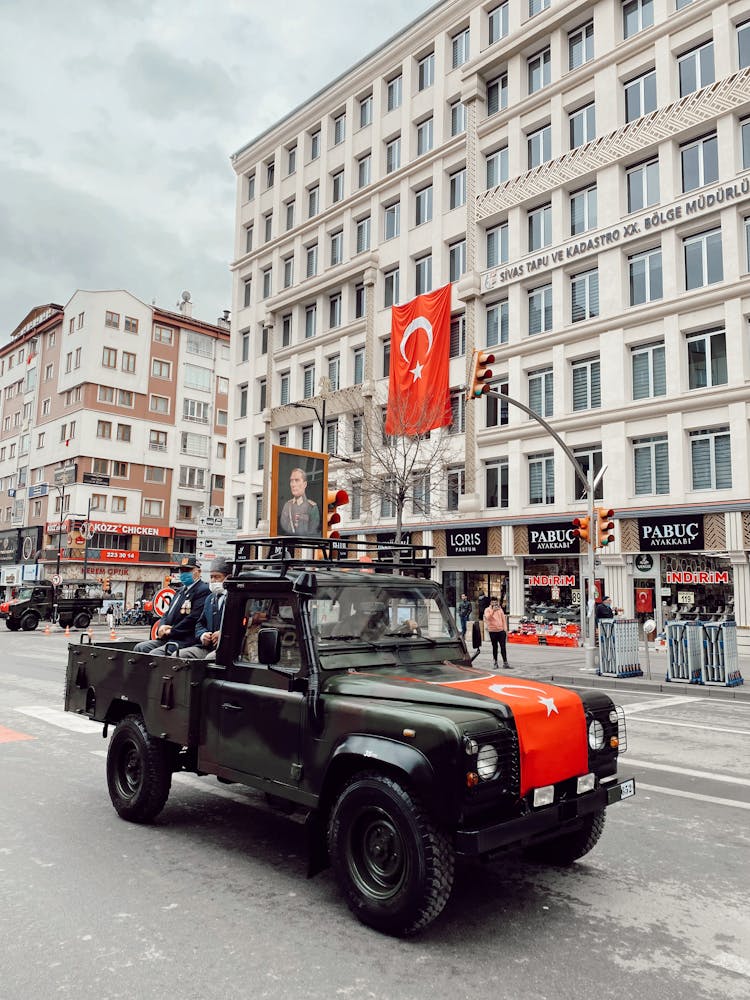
(286, 552)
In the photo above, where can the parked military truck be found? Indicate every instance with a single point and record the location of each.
(72, 605)
(349, 694)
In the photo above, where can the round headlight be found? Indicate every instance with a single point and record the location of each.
(470, 746)
(487, 761)
(596, 735)
(613, 715)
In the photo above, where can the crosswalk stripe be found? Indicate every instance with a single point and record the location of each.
(696, 796)
(63, 720)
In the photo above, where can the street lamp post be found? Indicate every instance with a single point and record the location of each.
(319, 416)
(61, 495)
(86, 541)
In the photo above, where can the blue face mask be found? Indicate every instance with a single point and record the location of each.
(186, 578)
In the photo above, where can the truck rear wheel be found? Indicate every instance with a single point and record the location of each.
(29, 621)
(81, 620)
(569, 847)
(392, 863)
(139, 771)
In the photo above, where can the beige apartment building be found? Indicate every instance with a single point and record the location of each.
(113, 436)
(580, 173)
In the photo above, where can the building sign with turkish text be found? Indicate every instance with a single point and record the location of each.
(466, 541)
(680, 532)
(551, 538)
(702, 576)
(545, 580)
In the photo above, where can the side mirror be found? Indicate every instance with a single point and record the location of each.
(476, 635)
(269, 646)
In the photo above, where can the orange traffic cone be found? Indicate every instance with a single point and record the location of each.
(91, 632)
(46, 629)
(67, 629)
(113, 634)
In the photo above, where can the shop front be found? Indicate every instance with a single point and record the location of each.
(472, 571)
(552, 576)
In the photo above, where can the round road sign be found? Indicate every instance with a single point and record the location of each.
(162, 601)
(57, 579)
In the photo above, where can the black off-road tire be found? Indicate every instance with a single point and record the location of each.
(29, 621)
(392, 863)
(81, 620)
(139, 771)
(12, 624)
(564, 850)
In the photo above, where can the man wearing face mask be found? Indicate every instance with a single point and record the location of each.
(178, 624)
(208, 629)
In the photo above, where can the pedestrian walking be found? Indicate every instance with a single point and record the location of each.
(464, 613)
(110, 615)
(497, 626)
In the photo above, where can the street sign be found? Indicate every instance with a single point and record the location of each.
(38, 490)
(66, 475)
(95, 480)
(215, 535)
(162, 601)
(56, 579)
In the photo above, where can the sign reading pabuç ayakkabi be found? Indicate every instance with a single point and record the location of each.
(674, 532)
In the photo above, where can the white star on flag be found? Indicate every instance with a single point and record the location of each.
(416, 371)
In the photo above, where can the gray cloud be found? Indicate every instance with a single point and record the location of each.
(164, 85)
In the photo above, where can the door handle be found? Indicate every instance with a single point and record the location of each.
(231, 707)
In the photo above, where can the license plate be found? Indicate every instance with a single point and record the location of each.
(622, 791)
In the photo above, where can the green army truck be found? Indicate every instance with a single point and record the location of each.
(72, 605)
(347, 693)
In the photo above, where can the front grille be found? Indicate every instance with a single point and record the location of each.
(616, 728)
(508, 778)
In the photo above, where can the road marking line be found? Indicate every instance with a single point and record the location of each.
(732, 963)
(691, 725)
(712, 799)
(11, 736)
(64, 720)
(646, 706)
(687, 772)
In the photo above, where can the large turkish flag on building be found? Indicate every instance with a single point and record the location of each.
(418, 387)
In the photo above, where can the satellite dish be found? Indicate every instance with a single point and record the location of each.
(185, 296)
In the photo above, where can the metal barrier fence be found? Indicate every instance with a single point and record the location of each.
(618, 648)
(703, 653)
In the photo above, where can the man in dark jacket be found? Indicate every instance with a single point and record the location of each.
(178, 624)
(209, 624)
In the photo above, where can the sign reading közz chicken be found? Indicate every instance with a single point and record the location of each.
(551, 538)
(466, 541)
(678, 532)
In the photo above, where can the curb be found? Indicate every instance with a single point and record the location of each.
(658, 687)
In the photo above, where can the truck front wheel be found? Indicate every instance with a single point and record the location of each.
(392, 863)
(81, 620)
(12, 624)
(569, 847)
(139, 771)
(29, 621)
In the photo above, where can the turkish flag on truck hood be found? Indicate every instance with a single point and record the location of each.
(418, 386)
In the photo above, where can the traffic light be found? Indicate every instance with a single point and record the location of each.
(582, 529)
(482, 374)
(605, 527)
(336, 498)
(106, 585)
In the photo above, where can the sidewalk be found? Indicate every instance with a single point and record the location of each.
(560, 665)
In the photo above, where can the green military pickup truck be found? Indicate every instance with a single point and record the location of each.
(348, 693)
(73, 604)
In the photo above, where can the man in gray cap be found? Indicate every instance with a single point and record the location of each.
(209, 624)
(177, 627)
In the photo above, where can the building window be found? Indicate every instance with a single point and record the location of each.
(268, 226)
(643, 185)
(315, 144)
(313, 201)
(311, 261)
(130, 325)
(458, 413)
(497, 23)
(337, 248)
(248, 238)
(703, 259)
(540, 227)
(651, 465)
(743, 44)
(364, 170)
(589, 458)
(311, 312)
(537, 6)
(583, 211)
(424, 137)
(457, 348)
(584, 295)
(247, 288)
(308, 381)
(120, 470)
(587, 393)
(539, 70)
(123, 432)
(157, 440)
(355, 501)
(541, 392)
(539, 145)
(581, 45)
(112, 319)
(393, 155)
(260, 453)
(496, 483)
(159, 404)
(707, 359)
(284, 389)
(291, 160)
(497, 167)
(456, 483)
(334, 372)
(497, 324)
(109, 358)
(640, 96)
(307, 438)
(700, 162)
(457, 259)
(645, 276)
(458, 117)
(339, 129)
(365, 111)
(153, 508)
(290, 214)
(267, 275)
(103, 430)
(460, 48)
(541, 479)
(251, 186)
(696, 69)
(636, 16)
(359, 365)
(390, 287)
(363, 234)
(747, 244)
(241, 456)
(392, 220)
(423, 202)
(337, 193)
(457, 186)
(119, 505)
(540, 309)
(497, 413)
(649, 371)
(497, 94)
(423, 274)
(286, 330)
(426, 71)
(288, 264)
(270, 173)
(359, 300)
(497, 248)
(334, 310)
(332, 436)
(711, 459)
(394, 93)
(582, 126)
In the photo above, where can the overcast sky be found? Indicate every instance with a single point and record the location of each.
(117, 121)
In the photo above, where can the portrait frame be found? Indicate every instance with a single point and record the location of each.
(314, 464)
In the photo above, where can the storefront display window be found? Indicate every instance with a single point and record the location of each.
(475, 586)
(696, 587)
(552, 590)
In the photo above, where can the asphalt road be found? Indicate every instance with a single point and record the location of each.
(211, 901)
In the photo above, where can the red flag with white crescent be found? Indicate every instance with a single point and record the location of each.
(418, 385)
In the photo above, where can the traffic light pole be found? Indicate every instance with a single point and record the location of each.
(589, 484)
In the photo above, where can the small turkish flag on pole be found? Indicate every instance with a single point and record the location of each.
(418, 385)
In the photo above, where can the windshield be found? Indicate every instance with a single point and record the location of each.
(24, 594)
(386, 615)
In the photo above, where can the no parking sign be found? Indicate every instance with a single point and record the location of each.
(162, 601)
